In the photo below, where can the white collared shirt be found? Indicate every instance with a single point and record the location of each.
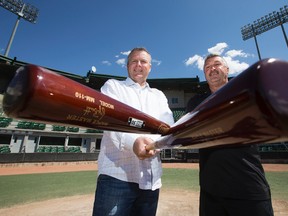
(116, 157)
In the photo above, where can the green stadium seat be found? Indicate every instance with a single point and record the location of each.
(47, 149)
(4, 123)
(58, 128)
(177, 114)
(60, 149)
(54, 149)
(74, 149)
(93, 131)
(42, 126)
(37, 126)
(40, 149)
(72, 129)
(5, 149)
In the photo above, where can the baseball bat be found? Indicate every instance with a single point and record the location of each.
(251, 108)
(40, 95)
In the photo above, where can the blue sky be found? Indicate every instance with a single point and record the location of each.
(73, 36)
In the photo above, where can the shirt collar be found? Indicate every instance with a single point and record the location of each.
(130, 82)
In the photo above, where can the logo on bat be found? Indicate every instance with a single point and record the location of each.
(136, 122)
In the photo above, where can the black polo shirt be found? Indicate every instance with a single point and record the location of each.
(231, 172)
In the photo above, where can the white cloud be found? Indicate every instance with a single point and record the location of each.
(106, 63)
(157, 62)
(196, 59)
(218, 48)
(235, 66)
(121, 62)
(235, 53)
(126, 53)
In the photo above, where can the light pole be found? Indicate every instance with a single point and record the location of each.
(264, 24)
(25, 11)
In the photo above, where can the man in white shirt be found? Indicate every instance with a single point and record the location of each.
(129, 177)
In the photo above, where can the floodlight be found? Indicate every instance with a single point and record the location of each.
(22, 10)
(264, 24)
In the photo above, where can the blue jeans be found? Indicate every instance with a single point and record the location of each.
(120, 198)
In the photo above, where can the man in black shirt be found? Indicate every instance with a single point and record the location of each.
(232, 179)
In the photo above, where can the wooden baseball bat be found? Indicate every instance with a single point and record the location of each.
(250, 108)
(38, 94)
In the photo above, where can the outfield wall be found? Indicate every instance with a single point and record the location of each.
(47, 157)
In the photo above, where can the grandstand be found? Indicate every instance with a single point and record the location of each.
(26, 141)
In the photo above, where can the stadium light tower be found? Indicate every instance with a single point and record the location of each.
(22, 10)
(264, 24)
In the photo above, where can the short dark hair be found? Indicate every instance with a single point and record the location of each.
(136, 49)
(212, 55)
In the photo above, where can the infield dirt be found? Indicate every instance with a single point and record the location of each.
(171, 202)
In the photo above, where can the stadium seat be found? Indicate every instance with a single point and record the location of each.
(5, 149)
(40, 149)
(60, 149)
(177, 114)
(93, 131)
(58, 128)
(5, 122)
(72, 129)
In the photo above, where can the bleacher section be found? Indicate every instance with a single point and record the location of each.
(93, 131)
(178, 113)
(58, 128)
(58, 149)
(31, 125)
(62, 128)
(281, 147)
(72, 129)
(5, 122)
(4, 149)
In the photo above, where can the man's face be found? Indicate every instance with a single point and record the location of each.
(216, 72)
(139, 67)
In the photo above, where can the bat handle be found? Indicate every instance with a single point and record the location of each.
(151, 146)
(163, 142)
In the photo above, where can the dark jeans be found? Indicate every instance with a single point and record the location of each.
(119, 198)
(211, 206)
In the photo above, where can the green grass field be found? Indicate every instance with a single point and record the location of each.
(19, 189)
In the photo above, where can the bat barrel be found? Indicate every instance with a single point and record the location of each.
(272, 79)
(38, 94)
(250, 108)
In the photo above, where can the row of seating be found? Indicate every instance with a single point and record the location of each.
(75, 149)
(5, 122)
(51, 149)
(73, 129)
(58, 128)
(177, 114)
(31, 125)
(64, 128)
(5, 149)
(273, 147)
(58, 149)
(93, 131)
(2, 118)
